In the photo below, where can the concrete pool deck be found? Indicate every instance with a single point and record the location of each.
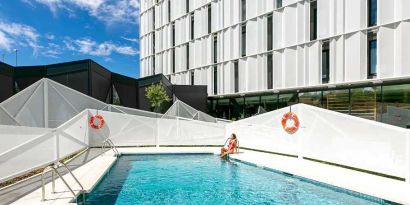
(90, 173)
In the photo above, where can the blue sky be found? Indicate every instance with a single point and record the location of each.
(54, 31)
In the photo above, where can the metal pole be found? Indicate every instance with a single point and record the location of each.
(15, 50)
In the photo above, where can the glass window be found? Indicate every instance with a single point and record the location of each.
(365, 102)
(236, 75)
(278, 3)
(372, 9)
(192, 26)
(325, 63)
(337, 100)
(243, 40)
(251, 106)
(192, 77)
(215, 46)
(372, 53)
(169, 10)
(269, 102)
(222, 109)
(173, 33)
(209, 18)
(313, 20)
(187, 56)
(396, 105)
(237, 108)
(243, 10)
(173, 60)
(270, 71)
(215, 80)
(287, 100)
(311, 98)
(270, 32)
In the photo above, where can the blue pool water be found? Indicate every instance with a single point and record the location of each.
(206, 179)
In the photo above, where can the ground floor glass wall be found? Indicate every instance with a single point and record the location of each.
(385, 103)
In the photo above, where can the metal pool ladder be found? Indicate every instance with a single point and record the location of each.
(54, 169)
(108, 143)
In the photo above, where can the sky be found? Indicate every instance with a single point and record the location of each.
(55, 31)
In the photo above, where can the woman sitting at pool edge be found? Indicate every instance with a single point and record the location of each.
(231, 146)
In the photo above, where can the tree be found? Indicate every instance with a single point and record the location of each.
(157, 95)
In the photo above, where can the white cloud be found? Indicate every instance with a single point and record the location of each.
(5, 43)
(14, 34)
(134, 40)
(90, 47)
(49, 36)
(108, 11)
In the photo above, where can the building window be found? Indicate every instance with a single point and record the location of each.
(153, 18)
(270, 71)
(192, 77)
(313, 20)
(372, 55)
(278, 3)
(169, 10)
(215, 80)
(215, 47)
(187, 6)
(243, 10)
(153, 43)
(153, 65)
(187, 56)
(173, 60)
(173, 33)
(209, 18)
(236, 75)
(372, 12)
(325, 62)
(270, 32)
(243, 39)
(192, 26)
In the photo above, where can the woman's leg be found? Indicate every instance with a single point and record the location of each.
(223, 150)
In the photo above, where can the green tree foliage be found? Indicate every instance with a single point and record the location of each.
(157, 95)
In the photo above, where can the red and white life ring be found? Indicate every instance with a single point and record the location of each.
(97, 121)
(293, 124)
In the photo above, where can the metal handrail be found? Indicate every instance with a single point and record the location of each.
(54, 169)
(111, 145)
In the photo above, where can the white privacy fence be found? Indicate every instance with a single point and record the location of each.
(24, 149)
(332, 137)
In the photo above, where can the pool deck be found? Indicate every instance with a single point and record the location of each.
(90, 173)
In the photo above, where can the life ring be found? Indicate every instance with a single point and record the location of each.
(97, 121)
(294, 118)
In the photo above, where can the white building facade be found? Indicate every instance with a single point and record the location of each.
(243, 47)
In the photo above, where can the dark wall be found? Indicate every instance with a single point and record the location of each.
(126, 88)
(28, 75)
(195, 96)
(100, 82)
(73, 74)
(6, 81)
(92, 79)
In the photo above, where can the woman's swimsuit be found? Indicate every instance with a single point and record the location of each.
(232, 146)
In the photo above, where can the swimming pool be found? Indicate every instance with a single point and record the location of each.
(206, 179)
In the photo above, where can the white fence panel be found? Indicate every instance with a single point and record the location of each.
(354, 142)
(24, 149)
(124, 130)
(199, 133)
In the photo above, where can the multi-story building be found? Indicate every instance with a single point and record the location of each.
(352, 56)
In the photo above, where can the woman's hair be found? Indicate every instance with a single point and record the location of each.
(233, 135)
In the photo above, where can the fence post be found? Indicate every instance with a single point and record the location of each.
(45, 94)
(157, 132)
